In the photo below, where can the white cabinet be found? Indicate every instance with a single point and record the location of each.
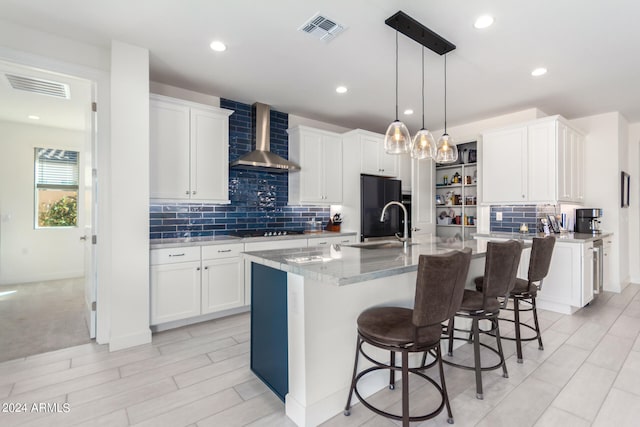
(319, 154)
(175, 284)
(587, 274)
(373, 159)
(189, 146)
(537, 162)
(190, 281)
(606, 267)
(570, 164)
(222, 277)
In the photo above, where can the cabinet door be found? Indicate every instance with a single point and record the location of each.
(332, 165)
(222, 284)
(504, 166)
(175, 291)
(565, 162)
(541, 157)
(577, 173)
(606, 268)
(369, 152)
(311, 171)
(562, 284)
(209, 156)
(168, 150)
(587, 273)
(388, 163)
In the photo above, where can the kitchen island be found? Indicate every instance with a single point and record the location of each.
(325, 291)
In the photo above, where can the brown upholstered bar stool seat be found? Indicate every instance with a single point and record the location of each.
(439, 287)
(501, 268)
(525, 292)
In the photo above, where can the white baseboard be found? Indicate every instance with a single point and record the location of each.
(60, 275)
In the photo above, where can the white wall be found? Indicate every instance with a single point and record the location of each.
(634, 208)
(605, 157)
(130, 196)
(187, 95)
(28, 254)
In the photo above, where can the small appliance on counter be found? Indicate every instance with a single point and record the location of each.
(588, 220)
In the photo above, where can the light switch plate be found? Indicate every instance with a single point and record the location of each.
(498, 216)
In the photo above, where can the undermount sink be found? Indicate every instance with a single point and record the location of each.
(380, 245)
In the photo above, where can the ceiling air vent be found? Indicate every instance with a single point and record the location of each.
(43, 87)
(322, 27)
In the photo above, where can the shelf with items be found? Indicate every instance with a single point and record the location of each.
(456, 194)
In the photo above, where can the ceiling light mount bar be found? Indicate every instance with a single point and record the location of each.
(411, 28)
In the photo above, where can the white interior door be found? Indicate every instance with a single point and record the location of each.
(90, 215)
(422, 200)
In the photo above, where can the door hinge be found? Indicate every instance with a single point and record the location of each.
(93, 306)
(94, 239)
(94, 173)
(94, 107)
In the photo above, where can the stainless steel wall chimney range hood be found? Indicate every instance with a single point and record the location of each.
(262, 158)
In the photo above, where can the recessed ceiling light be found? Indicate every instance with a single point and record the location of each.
(32, 117)
(483, 21)
(218, 46)
(541, 71)
(408, 111)
(341, 89)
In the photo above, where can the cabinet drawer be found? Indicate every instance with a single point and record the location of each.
(335, 240)
(174, 255)
(228, 250)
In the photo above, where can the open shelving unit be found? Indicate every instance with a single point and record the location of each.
(458, 200)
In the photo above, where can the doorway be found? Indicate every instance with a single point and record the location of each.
(47, 211)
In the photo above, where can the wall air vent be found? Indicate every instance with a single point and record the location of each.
(43, 87)
(322, 27)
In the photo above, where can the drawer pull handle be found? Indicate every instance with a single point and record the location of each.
(322, 243)
(224, 250)
(345, 241)
(182, 254)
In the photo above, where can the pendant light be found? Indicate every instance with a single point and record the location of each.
(447, 151)
(423, 145)
(397, 139)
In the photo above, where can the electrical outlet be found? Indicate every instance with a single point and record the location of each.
(498, 216)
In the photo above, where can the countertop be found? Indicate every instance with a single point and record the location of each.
(219, 240)
(345, 264)
(568, 237)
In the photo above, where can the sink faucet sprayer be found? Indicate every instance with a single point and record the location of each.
(405, 237)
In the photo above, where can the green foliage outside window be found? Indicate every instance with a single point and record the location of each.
(62, 213)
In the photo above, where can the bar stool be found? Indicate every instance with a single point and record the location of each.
(439, 288)
(500, 270)
(525, 291)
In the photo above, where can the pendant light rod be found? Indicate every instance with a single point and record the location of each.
(422, 87)
(396, 75)
(445, 94)
(411, 28)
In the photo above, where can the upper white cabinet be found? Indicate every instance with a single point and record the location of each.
(373, 159)
(319, 154)
(189, 151)
(538, 162)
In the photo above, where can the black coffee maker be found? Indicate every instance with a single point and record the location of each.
(588, 220)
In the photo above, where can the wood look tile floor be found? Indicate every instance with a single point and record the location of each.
(587, 375)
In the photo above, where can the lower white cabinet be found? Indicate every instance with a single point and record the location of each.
(175, 284)
(222, 277)
(606, 268)
(187, 282)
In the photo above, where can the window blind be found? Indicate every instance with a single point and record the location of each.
(56, 168)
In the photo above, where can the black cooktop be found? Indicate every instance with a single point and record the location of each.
(265, 233)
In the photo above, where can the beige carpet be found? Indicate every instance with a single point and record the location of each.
(41, 316)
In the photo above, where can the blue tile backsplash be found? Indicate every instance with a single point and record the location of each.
(258, 199)
(514, 216)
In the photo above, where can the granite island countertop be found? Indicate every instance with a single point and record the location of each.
(218, 240)
(569, 237)
(347, 264)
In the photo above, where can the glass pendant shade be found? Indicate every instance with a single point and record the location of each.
(397, 139)
(423, 146)
(447, 151)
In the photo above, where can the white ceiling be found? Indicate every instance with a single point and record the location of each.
(590, 47)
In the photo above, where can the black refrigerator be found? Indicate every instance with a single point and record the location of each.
(375, 192)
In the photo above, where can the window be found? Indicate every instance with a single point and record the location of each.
(56, 198)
